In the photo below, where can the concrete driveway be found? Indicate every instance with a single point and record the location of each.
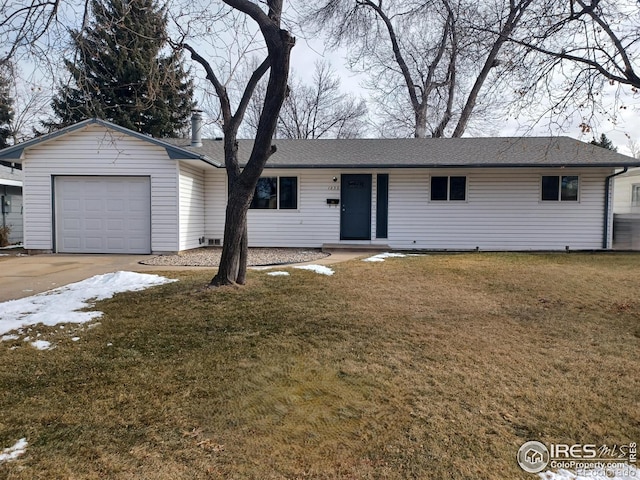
(21, 276)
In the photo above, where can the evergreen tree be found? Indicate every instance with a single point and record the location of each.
(6, 110)
(121, 75)
(604, 143)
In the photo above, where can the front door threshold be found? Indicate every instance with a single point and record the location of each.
(355, 246)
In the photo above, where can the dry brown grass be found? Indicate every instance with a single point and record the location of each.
(422, 367)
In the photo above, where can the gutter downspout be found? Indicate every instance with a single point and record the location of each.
(607, 192)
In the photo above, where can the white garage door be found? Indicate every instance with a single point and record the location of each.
(103, 214)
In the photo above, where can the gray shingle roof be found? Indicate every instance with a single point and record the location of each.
(427, 152)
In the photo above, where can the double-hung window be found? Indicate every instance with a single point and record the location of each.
(562, 188)
(275, 193)
(448, 188)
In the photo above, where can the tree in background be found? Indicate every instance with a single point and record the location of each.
(429, 68)
(604, 142)
(634, 148)
(6, 107)
(320, 110)
(580, 52)
(120, 73)
(314, 110)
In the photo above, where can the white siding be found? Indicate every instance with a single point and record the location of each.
(503, 211)
(191, 206)
(99, 151)
(312, 224)
(215, 187)
(622, 192)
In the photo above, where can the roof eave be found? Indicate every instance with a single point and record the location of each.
(15, 152)
(466, 165)
(10, 183)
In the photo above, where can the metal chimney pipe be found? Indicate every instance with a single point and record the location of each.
(196, 128)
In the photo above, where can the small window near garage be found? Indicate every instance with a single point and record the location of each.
(449, 188)
(635, 195)
(560, 188)
(274, 193)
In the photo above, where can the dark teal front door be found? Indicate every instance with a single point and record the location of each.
(355, 200)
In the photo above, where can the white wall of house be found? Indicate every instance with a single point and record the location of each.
(503, 211)
(215, 188)
(12, 214)
(98, 151)
(622, 199)
(192, 207)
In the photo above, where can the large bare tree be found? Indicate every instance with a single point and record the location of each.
(242, 180)
(421, 54)
(576, 49)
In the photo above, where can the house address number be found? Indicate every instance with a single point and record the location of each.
(333, 187)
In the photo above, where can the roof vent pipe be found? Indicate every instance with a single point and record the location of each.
(196, 128)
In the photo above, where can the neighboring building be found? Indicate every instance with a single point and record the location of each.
(626, 209)
(98, 188)
(11, 202)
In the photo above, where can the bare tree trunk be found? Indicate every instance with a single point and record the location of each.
(421, 123)
(242, 185)
(231, 271)
(241, 278)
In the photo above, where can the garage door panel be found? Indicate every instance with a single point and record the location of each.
(103, 214)
(95, 243)
(116, 205)
(115, 224)
(71, 224)
(90, 225)
(116, 243)
(93, 205)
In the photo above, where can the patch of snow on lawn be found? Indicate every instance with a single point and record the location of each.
(61, 304)
(382, 256)
(14, 452)
(42, 345)
(7, 338)
(321, 269)
(626, 472)
(278, 274)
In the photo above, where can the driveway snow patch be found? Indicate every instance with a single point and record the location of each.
(61, 304)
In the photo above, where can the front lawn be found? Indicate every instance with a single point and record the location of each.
(428, 367)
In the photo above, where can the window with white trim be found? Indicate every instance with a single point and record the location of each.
(452, 188)
(560, 188)
(275, 193)
(635, 195)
